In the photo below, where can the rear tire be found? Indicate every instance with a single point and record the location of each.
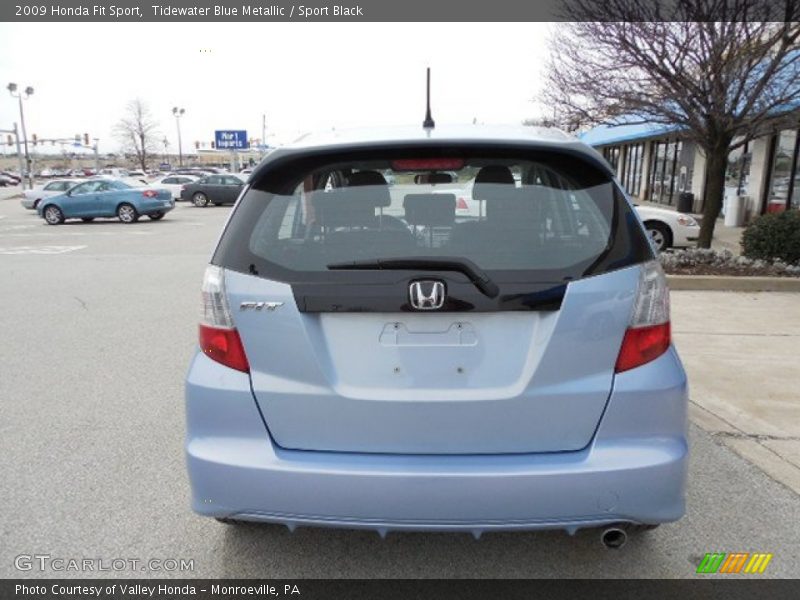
(200, 200)
(660, 235)
(156, 216)
(127, 213)
(53, 215)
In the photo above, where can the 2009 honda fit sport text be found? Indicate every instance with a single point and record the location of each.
(448, 329)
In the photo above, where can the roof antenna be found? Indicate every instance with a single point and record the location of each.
(428, 122)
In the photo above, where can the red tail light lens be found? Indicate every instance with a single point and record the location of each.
(643, 344)
(149, 193)
(224, 346)
(461, 204)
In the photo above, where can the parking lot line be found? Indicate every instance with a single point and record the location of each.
(39, 249)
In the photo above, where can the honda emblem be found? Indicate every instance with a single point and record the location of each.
(426, 295)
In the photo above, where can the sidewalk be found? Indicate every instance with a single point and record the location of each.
(725, 238)
(740, 353)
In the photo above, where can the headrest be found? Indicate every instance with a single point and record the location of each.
(376, 190)
(518, 206)
(360, 178)
(344, 207)
(490, 181)
(432, 210)
(440, 178)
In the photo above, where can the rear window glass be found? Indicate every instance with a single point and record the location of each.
(547, 214)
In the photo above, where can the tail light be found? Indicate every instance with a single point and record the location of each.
(461, 204)
(149, 193)
(648, 335)
(218, 338)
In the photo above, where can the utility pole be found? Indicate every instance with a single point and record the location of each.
(264, 130)
(96, 156)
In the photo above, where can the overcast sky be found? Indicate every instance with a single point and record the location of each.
(303, 76)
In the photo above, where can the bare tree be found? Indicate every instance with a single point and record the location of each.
(722, 71)
(138, 132)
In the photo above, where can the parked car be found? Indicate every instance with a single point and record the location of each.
(137, 174)
(31, 198)
(213, 189)
(174, 183)
(7, 181)
(369, 359)
(197, 171)
(12, 178)
(667, 228)
(106, 198)
(114, 172)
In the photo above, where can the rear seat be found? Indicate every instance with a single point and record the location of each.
(348, 223)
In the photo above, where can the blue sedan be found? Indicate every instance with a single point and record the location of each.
(106, 198)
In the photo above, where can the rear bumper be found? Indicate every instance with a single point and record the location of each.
(634, 470)
(684, 236)
(150, 206)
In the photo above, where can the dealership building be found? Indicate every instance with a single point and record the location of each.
(656, 163)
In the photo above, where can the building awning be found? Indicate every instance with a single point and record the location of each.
(603, 135)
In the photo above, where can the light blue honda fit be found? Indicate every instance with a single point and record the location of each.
(459, 329)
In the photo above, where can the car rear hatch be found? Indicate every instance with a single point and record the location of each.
(365, 332)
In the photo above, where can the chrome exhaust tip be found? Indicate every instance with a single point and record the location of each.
(614, 538)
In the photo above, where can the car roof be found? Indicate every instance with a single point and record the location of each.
(508, 135)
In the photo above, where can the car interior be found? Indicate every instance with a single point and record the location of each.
(505, 216)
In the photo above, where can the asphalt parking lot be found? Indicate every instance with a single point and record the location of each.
(98, 323)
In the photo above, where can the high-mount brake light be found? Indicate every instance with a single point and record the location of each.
(428, 164)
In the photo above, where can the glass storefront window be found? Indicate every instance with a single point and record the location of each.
(784, 168)
(663, 186)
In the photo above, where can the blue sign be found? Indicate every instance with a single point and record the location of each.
(231, 140)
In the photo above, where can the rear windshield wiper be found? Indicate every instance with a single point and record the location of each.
(474, 273)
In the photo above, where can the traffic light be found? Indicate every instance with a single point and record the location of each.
(85, 139)
(213, 145)
(35, 139)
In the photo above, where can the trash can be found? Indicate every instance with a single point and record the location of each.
(734, 214)
(685, 202)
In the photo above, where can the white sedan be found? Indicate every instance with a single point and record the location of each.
(31, 198)
(668, 228)
(174, 183)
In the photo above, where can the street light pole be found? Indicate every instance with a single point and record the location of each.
(96, 156)
(12, 89)
(178, 113)
(19, 156)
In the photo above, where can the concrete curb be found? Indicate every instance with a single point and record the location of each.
(726, 283)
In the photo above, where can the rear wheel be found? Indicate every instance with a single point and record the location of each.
(660, 235)
(156, 216)
(53, 215)
(127, 213)
(200, 200)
